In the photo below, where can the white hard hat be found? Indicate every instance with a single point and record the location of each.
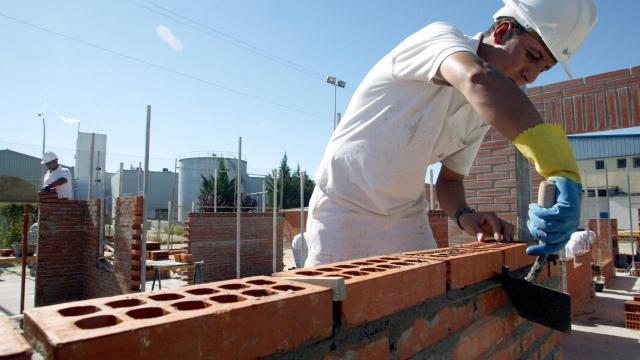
(48, 156)
(562, 24)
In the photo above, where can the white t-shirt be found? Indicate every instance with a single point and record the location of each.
(64, 190)
(579, 241)
(400, 120)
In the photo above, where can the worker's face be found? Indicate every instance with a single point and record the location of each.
(52, 165)
(522, 57)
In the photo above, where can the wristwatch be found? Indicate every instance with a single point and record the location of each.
(462, 211)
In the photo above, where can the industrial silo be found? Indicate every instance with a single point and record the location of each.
(192, 169)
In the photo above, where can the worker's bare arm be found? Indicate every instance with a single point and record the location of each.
(450, 192)
(497, 99)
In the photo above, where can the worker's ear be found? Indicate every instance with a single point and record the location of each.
(502, 32)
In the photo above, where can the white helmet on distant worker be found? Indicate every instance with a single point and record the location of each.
(48, 157)
(562, 24)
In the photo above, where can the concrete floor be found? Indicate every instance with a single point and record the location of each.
(10, 283)
(599, 332)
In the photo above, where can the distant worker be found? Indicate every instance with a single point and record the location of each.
(299, 248)
(580, 241)
(57, 177)
(433, 98)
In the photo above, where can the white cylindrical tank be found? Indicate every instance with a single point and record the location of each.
(190, 172)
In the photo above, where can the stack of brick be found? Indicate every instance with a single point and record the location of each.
(437, 303)
(579, 280)
(51, 196)
(136, 243)
(632, 313)
(439, 223)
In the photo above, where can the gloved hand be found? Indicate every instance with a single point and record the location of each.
(46, 188)
(553, 226)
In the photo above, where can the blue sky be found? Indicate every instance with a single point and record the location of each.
(216, 70)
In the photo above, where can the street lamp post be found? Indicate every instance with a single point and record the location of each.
(341, 83)
(41, 115)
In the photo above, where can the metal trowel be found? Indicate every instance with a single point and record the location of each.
(534, 302)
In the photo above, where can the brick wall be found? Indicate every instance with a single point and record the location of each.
(61, 251)
(390, 311)
(438, 221)
(212, 238)
(594, 103)
(291, 226)
(68, 248)
(100, 282)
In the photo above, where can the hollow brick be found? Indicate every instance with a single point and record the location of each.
(381, 285)
(235, 315)
(12, 345)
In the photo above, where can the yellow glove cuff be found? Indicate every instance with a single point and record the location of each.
(547, 147)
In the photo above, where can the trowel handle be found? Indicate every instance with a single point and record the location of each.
(546, 199)
(547, 194)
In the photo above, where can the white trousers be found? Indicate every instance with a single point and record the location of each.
(338, 231)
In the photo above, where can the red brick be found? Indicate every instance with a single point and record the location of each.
(507, 350)
(493, 176)
(590, 112)
(381, 285)
(578, 113)
(12, 346)
(568, 118)
(505, 183)
(479, 169)
(612, 109)
(473, 184)
(494, 207)
(584, 89)
(489, 301)
(563, 84)
(492, 160)
(534, 90)
(230, 326)
(464, 266)
(607, 76)
(483, 335)
(377, 349)
(632, 306)
(494, 191)
(426, 332)
(536, 332)
(601, 111)
(625, 116)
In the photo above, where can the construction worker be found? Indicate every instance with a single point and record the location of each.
(579, 241)
(433, 98)
(57, 177)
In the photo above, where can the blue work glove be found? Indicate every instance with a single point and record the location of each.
(553, 226)
(46, 188)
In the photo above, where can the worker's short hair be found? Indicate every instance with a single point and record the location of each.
(519, 29)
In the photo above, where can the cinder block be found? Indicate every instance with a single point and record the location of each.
(381, 285)
(238, 319)
(465, 266)
(12, 345)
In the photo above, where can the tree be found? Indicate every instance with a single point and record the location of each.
(289, 187)
(225, 193)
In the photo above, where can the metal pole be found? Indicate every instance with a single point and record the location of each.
(609, 238)
(335, 97)
(143, 250)
(304, 246)
(599, 263)
(121, 179)
(169, 228)
(100, 180)
(238, 209)
(264, 196)
(89, 191)
(633, 247)
(25, 234)
(215, 191)
(432, 201)
(275, 211)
